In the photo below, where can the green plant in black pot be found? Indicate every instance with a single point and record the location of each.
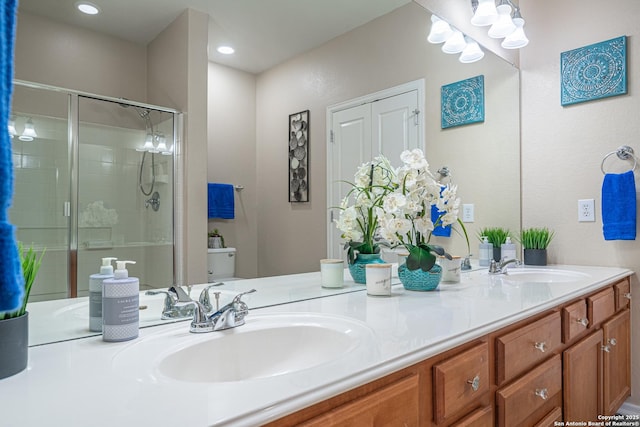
(496, 236)
(535, 242)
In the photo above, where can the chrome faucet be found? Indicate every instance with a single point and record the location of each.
(205, 300)
(501, 267)
(173, 296)
(229, 316)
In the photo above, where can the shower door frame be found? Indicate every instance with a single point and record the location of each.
(73, 145)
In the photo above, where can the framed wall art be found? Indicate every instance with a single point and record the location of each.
(462, 102)
(593, 72)
(299, 157)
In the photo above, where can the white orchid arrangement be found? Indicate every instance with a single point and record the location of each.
(358, 220)
(405, 215)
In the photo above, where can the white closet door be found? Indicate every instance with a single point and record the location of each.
(351, 147)
(396, 127)
(384, 126)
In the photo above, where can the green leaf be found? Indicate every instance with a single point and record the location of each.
(420, 258)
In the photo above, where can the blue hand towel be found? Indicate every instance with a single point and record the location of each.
(11, 280)
(221, 203)
(619, 206)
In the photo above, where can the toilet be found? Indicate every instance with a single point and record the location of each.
(221, 264)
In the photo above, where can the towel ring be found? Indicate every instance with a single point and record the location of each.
(624, 152)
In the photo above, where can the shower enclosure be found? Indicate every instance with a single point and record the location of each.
(94, 178)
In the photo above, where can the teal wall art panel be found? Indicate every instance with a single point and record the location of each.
(463, 102)
(593, 72)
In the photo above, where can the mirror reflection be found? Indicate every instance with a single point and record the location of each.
(483, 158)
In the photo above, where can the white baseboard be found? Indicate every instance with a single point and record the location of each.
(629, 409)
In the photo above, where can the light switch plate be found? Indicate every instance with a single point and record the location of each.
(586, 210)
(467, 212)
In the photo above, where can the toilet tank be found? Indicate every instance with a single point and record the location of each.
(221, 264)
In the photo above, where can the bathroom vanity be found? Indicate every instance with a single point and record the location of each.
(527, 348)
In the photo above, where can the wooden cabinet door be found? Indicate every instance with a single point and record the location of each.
(583, 379)
(393, 405)
(617, 361)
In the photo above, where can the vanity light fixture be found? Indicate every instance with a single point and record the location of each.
(505, 20)
(148, 144)
(471, 52)
(162, 143)
(225, 50)
(440, 30)
(87, 8)
(29, 133)
(454, 41)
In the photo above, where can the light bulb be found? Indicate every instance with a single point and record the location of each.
(440, 30)
(29, 132)
(455, 43)
(516, 39)
(504, 25)
(471, 53)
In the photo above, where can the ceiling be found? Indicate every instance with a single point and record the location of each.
(264, 33)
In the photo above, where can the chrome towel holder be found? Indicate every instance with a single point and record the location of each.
(624, 152)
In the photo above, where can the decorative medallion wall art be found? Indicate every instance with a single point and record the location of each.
(595, 71)
(463, 102)
(299, 157)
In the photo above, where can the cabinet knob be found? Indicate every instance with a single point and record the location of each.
(606, 348)
(543, 393)
(627, 295)
(612, 341)
(475, 383)
(542, 346)
(584, 322)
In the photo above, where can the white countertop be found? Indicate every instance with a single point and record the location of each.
(77, 383)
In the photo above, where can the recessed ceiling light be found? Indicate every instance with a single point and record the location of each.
(88, 8)
(226, 50)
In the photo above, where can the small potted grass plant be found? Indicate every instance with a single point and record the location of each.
(535, 242)
(14, 325)
(496, 236)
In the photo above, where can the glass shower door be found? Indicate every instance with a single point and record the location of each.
(40, 208)
(125, 191)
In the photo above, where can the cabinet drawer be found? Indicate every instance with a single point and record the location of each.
(622, 291)
(574, 320)
(461, 381)
(551, 418)
(395, 404)
(600, 306)
(482, 417)
(519, 403)
(525, 347)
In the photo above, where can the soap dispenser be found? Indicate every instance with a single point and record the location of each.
(120, 305)
(485, 252)
(508, 249)
(95, 293)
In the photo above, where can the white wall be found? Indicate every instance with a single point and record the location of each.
(562, 147)
(232, 158)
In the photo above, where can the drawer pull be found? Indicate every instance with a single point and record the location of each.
(475, 383)
(543, 393)
(542, 346)
(627, 295)
(584, 322)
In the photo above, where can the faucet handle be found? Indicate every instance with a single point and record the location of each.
(237, 298)
(493, 266)
(204, 298)
(180, 294)
(170, 298)
(201, 323)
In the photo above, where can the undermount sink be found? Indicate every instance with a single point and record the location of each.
(542, 275)
(266, 346)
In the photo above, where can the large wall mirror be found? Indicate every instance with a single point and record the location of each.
(483, 158)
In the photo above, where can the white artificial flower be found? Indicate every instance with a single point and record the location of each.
(414, 159)
(423, 225)
(394, 202)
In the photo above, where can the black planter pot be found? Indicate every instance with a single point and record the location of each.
(535, 257)
(14, 345)
(497, 254)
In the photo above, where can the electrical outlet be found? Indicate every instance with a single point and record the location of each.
(586, 210)
(467, 212)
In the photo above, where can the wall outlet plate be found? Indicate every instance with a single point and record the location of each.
(586, 210)
(467, 212)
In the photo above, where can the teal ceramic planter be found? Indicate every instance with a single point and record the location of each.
(358, 269)
(418, 280)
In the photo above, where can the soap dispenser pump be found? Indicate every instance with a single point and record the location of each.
(120, 305)
(485, 252)
(95, 293)
(508, 250)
